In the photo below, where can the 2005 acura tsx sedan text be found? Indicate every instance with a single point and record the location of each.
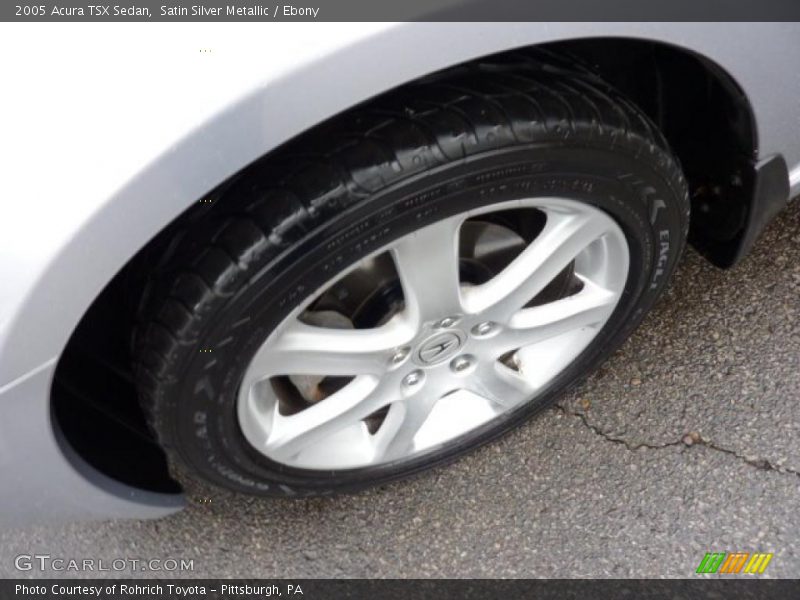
(337, 255)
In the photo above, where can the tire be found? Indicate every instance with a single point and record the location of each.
(530, 128)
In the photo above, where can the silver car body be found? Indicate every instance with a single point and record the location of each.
(108, 133)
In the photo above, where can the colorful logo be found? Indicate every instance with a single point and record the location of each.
(734, 562)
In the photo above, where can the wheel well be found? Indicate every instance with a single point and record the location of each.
(706, 118)
(702, 112)
(696, 103)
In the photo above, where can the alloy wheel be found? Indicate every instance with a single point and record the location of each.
(435, 335)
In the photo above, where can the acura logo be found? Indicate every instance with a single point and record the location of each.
(439, 347)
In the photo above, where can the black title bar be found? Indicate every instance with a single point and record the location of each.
(402, 10)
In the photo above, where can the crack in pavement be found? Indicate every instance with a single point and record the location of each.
(688, 440)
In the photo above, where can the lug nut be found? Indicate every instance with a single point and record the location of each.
(483, 328)
(447, 322)
(400, 355)
(461, 363)
(413, 378)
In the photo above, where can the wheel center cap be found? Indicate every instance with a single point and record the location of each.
(439, 347)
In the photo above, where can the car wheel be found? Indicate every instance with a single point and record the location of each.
(408, 281)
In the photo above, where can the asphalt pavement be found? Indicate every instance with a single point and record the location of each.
(685, 442)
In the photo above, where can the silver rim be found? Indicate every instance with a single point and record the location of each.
(467, 319)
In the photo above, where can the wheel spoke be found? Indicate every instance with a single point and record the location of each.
(303, 349)
(427, 262)
(500, 385)
(401, 425)
(589, 307)
(350, 405)
(561, 240)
